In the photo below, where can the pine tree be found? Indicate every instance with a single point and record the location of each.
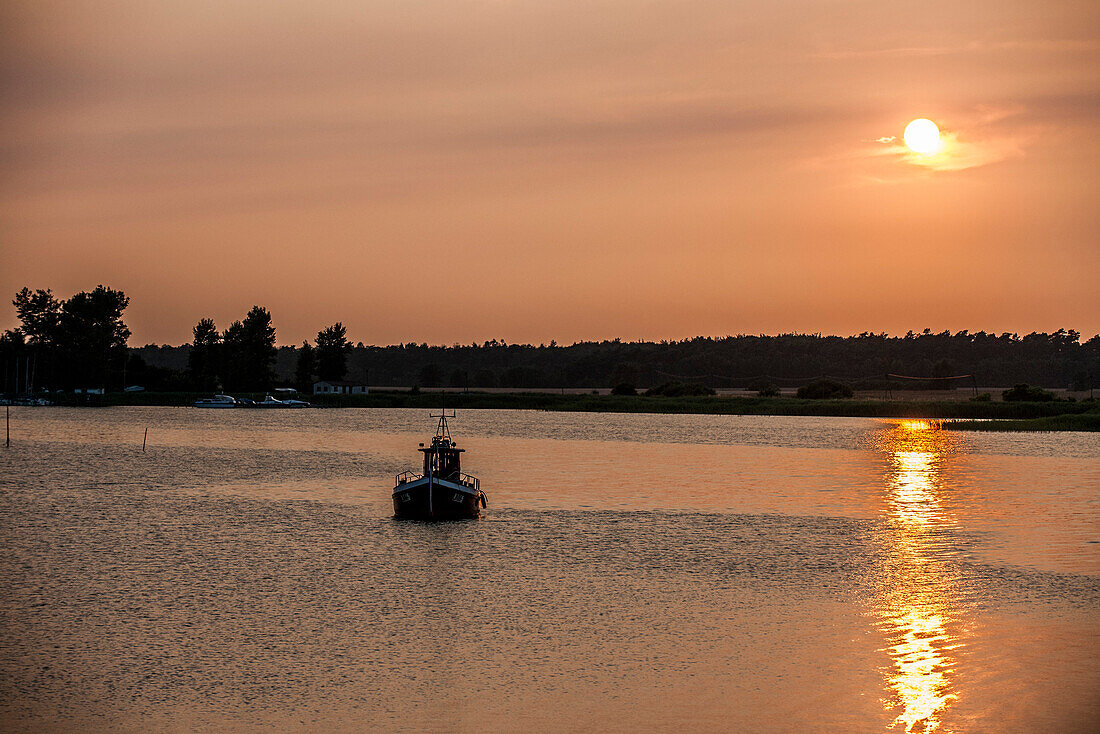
(303, 372)
(248, 352)
(203, 361)
(332, 352)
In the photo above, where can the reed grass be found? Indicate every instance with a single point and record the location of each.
(1066, 422)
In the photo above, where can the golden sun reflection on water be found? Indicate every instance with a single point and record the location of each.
(912, 500)
(916, 615)
(921, 681)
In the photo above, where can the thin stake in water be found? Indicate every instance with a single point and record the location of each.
(144, 439)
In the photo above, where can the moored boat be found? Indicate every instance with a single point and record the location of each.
(272, 402)
(218, 401)
(441, 491)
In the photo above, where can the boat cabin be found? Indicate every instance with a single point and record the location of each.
(441, 459)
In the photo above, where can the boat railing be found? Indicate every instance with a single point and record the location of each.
(411, 476)
(407, 476)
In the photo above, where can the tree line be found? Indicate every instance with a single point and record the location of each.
(81, 342)
(1057, 359)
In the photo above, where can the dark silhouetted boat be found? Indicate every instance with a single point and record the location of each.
(441, 491)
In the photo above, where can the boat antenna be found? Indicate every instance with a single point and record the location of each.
(442, 431)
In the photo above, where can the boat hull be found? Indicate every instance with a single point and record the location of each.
(436, 499)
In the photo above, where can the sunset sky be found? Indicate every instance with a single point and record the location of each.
(460, 171)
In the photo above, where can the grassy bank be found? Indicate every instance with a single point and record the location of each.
(1069, 422)
(639, 404)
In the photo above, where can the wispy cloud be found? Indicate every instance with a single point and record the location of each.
(1054, 44)
(979, 138)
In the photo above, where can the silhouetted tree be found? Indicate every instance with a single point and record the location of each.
(203, 361)
(304, 369)
(12, 339)
(233, 369)
(332, 352)
(92, 337)
(40, 313)
(248, 349)
(81, 341)
(13, 355)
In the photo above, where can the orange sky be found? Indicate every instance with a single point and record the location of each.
(460, 171)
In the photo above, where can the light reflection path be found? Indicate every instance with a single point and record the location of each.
(916, 613)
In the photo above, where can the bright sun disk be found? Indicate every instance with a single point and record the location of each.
(922, 136)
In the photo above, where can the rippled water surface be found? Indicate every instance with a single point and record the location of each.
(632, 573)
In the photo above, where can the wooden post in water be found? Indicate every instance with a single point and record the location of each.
(7, 425)
(144, 439)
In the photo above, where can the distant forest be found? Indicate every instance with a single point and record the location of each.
(82, 342)
(1057, 360)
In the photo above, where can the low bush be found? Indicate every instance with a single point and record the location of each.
(983, 398)
(768, 391)
(1026, 393)
(624, 388)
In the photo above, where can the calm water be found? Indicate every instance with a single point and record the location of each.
(633, 573)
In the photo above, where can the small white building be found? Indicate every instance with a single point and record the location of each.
(339, 387)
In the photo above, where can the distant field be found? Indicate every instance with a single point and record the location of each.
(587, 402)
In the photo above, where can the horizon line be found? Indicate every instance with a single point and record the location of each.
(553, 343)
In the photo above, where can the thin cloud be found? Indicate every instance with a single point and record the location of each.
(1055, 44)
(987, 135)
(959, 154)
(983, 136)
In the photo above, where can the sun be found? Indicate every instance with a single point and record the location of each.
(922, 136)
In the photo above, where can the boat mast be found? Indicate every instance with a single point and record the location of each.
(442, 433)
(441, 430)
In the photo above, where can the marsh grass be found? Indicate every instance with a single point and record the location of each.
(1067, 422)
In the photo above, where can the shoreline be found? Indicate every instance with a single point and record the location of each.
(713, 405)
